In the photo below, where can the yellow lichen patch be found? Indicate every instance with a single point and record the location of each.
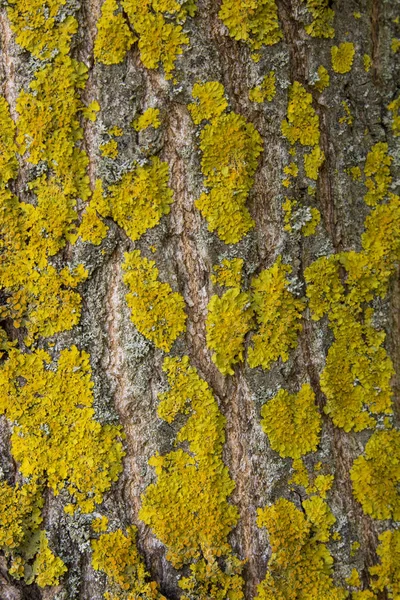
(229, 319)
(313, 162)
(20, 514)
(266, 90)
(278, 315)
(342, 57)
(39, 297)
(117, 556)
(92, 229)
(37, 28)
(8, 147)
(141, 198)
(252, 21)
(302, 123)
(230, 147)
(49, 126)
(114, 38)
(367, 62)
(109, 149)
(211, 101)
(394, 108)
(377, 171)
(347, 117)
(100, 524)
(157, 311)
(386, 575)
(195, 522)
(228, 273)
(354, 579)
(323, 79)
(150, 118)
(376, 476)
(55, 438)
(300, 565)
(157, 25)
(355, 173)
(292, 422)
(208, 580)
(323, 16)
(395, 45)
(47, 568)
(297, 218)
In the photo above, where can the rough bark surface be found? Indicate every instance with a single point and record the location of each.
(126, 367)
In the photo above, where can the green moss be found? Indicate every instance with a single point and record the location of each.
(38, 29)
(117, 556)
(194, 524)
(114, 38)
(266, 90)
(157, 311)
(150, 118)
(386, 575)
(292, 422)
(278, 315)
(342, 57)
(229, 319)
(230, 148)
(323, 16)
(300, 565)
(55, 438)
(376, 476)
(252, 21)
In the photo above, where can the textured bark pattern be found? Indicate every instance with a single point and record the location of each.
(127, 369)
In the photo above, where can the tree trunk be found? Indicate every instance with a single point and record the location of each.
(278, 335)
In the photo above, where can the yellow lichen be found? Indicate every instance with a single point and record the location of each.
(8, 147)
(323, 16)
(195, 522)
(278, 315)
(299, 217)
(92, 228)
(157, 311)
(141, 198)
(395, 45)
(252, 21)
(55, 438)
(313, 162)
(100, 524)
(109, 149)
(377, 171)
(150, 118)
(47, 568)
(117, 556)
(114, 38)
(355, 173)
(38, 29)
(161, 37)
(230, 148)
(394, 108)
(229, 319)
(266, 90)
(302, 123)
(323, 79)
(354, 579)
(347, 118)
(20, 514)
(367, 62)
(342, 57)
(300, 565)
(228, 273)
(386, 575)
(292, 422)
(376, 476)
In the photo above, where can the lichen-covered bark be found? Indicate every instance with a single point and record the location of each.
(279, 532)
